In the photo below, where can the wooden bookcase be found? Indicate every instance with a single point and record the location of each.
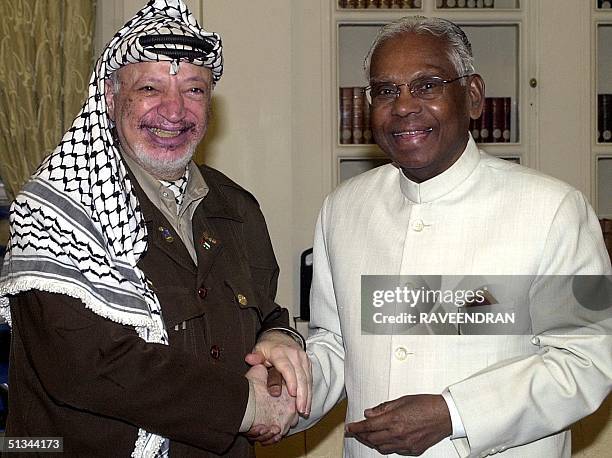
(601, 146)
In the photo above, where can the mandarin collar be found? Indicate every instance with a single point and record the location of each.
(442, 184)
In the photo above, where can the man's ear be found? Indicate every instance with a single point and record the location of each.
(476, 95)
(109, 95)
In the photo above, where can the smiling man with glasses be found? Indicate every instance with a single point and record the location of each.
(420, 108)
(445, 208)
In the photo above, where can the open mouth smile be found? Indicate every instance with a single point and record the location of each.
(412, 133)
(162, 133)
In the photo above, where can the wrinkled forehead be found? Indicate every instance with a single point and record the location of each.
(412, 52)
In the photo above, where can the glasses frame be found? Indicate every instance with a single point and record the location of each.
(367, 90)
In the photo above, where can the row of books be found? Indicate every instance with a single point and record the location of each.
(604, 118)
(354, 116)
(465, 3)
(390, 4)
(606, 228)
(380, 4)
(495, 123)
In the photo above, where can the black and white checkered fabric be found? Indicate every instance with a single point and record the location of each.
(76, 227)
(178, 188)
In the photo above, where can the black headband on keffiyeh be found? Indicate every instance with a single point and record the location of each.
(76, 227)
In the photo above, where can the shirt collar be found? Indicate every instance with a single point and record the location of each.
(442, 184)
(154, 189)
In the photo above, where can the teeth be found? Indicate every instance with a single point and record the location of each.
(412, 132)
(165, 133)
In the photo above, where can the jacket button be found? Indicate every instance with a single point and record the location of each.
(202, 292)
(242, 300)
(401, 353)
(215, 352)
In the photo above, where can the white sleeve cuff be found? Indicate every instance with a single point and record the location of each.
(458, 428)
(249, 413)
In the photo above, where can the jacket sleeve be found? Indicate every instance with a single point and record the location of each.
(87, 362)
(325, 346)
(531, 397)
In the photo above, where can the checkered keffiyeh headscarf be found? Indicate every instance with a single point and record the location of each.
(76, 227)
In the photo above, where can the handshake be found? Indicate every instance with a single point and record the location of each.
(277, 358)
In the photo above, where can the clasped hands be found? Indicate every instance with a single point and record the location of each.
(281, 393)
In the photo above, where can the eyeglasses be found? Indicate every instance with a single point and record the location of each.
(425, 88)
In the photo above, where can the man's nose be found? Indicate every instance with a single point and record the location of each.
(406, 103)
(172, 106)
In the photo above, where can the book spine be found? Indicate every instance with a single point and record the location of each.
(606, 115)
(507, 132)
(346, 115)
(475, 131)
(485, 127)
(599, 118)
(357, 125)
(497, 119)
(367, 126)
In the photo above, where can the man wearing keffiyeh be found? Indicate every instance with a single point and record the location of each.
(135, 281)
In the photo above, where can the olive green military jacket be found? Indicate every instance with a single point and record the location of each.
(94, 382)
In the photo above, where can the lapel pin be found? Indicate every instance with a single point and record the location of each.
(166, 234)
(208, 241)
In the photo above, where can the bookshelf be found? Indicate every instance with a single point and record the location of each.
(497, 33)
(601, 151)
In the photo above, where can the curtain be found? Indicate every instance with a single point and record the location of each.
(45, 60)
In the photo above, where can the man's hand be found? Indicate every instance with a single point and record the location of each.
(274, 415)
(406, 426)
(276, 349)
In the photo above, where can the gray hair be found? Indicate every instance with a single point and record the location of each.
(459, 47)
(114, 78)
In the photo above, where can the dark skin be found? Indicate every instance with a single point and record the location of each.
(424, 138)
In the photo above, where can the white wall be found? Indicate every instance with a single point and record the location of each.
(250, 136)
